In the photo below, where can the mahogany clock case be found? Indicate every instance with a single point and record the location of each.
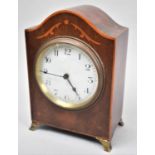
(109, 40)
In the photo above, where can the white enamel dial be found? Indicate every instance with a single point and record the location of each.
(67, 74)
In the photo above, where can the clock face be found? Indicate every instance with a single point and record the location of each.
(67, 74)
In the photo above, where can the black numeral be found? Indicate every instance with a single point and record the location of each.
(45, 70)
(87, 67)
(79, 56)
(48, 83)
(67, 51)
(56, 52)
(90, 80)
(66, 98)
(47, 59)
(55, 92)
(87, 90)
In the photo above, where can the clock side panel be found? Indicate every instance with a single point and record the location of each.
(93, 121)
(119, 80)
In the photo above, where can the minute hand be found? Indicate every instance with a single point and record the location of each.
(73, 88)
(45, 72)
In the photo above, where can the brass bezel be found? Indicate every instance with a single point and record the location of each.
(90, 52)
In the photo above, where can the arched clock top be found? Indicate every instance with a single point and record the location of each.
(90, 15)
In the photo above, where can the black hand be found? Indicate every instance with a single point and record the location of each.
(45, 72)
(66, 76)
(74, 89)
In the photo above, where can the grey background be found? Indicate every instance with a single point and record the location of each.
(51, 142)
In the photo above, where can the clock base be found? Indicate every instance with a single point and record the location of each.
(121, 123)
(35, 125)
(105, 143)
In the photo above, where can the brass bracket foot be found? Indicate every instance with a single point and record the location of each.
(34, 125)
(121, 123)
(105, 143)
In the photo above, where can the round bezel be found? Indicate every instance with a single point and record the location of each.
(90, 52)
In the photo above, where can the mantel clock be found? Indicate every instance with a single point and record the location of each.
(76, 66)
